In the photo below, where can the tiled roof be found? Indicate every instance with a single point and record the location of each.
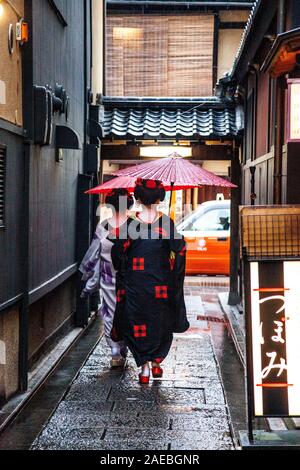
(150, 123)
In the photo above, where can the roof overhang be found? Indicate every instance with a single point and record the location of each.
(282, 56)
(258, 23)
(137, 102)
(134, 119)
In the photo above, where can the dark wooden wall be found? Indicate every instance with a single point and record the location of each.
(58, 57)
(263, 131)
(11, 233)
(259, 137)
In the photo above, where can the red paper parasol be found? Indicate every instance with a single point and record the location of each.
(175, 173)
(127, 182)
(115, 183)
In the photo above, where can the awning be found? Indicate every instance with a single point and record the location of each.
(282, 57)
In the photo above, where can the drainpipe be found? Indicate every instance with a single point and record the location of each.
(85, 79)
(278, 139)
(27, 88)
(279, 110)
(254, 70)
(234, 297)
(24, 307)
(84, 215)
(281, 17)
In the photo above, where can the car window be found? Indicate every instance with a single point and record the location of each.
(216, 219)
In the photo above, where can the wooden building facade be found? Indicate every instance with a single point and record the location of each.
(264, 81)
(268, 60)
(49, 150)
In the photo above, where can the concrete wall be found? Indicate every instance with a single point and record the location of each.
(49, 319)
(219, 167)
(10, 66)
(234, 16)
(229, 41)
(9, 353)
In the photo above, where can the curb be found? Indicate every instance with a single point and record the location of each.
(234, 322)
(16, 404)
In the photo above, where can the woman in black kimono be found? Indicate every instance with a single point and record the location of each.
(150, 299)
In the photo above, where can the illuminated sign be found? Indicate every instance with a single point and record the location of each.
(274, 358)
(293, 121)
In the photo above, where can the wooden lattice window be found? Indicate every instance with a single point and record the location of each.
(151, 55)
(2, 184)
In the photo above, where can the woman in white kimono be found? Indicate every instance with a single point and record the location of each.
(98, 271)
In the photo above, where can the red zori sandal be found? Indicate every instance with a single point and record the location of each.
(144, 379)
(157, 371)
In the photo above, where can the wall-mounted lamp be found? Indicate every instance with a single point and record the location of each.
(160, 151)
(22, 32)
(8, 2)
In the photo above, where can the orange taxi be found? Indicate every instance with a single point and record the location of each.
(207, 233)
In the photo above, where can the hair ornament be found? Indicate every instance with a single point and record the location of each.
(150, 184)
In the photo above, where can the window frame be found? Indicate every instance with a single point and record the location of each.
(182, 227)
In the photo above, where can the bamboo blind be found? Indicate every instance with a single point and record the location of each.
(150, 55)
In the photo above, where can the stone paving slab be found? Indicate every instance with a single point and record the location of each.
(180, 395)
(104, 445)
(107, 409)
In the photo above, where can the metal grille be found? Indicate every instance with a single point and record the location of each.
(271, 236)
(2, 184)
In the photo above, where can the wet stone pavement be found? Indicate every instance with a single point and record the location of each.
(107, 409)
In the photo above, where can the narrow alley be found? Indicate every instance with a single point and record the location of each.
(104, 409)
(149, 161)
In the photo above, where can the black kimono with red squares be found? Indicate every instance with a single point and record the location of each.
(150, 299)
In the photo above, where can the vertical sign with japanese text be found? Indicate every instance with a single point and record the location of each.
(275, 320)
(293, 121)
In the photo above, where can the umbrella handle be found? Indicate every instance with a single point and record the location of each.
(171, 197)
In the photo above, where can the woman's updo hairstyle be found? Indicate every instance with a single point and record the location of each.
(113, 198)
(149, 191)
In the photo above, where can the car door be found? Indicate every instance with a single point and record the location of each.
(208, 241)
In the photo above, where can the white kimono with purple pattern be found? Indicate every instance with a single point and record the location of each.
(99, 273)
